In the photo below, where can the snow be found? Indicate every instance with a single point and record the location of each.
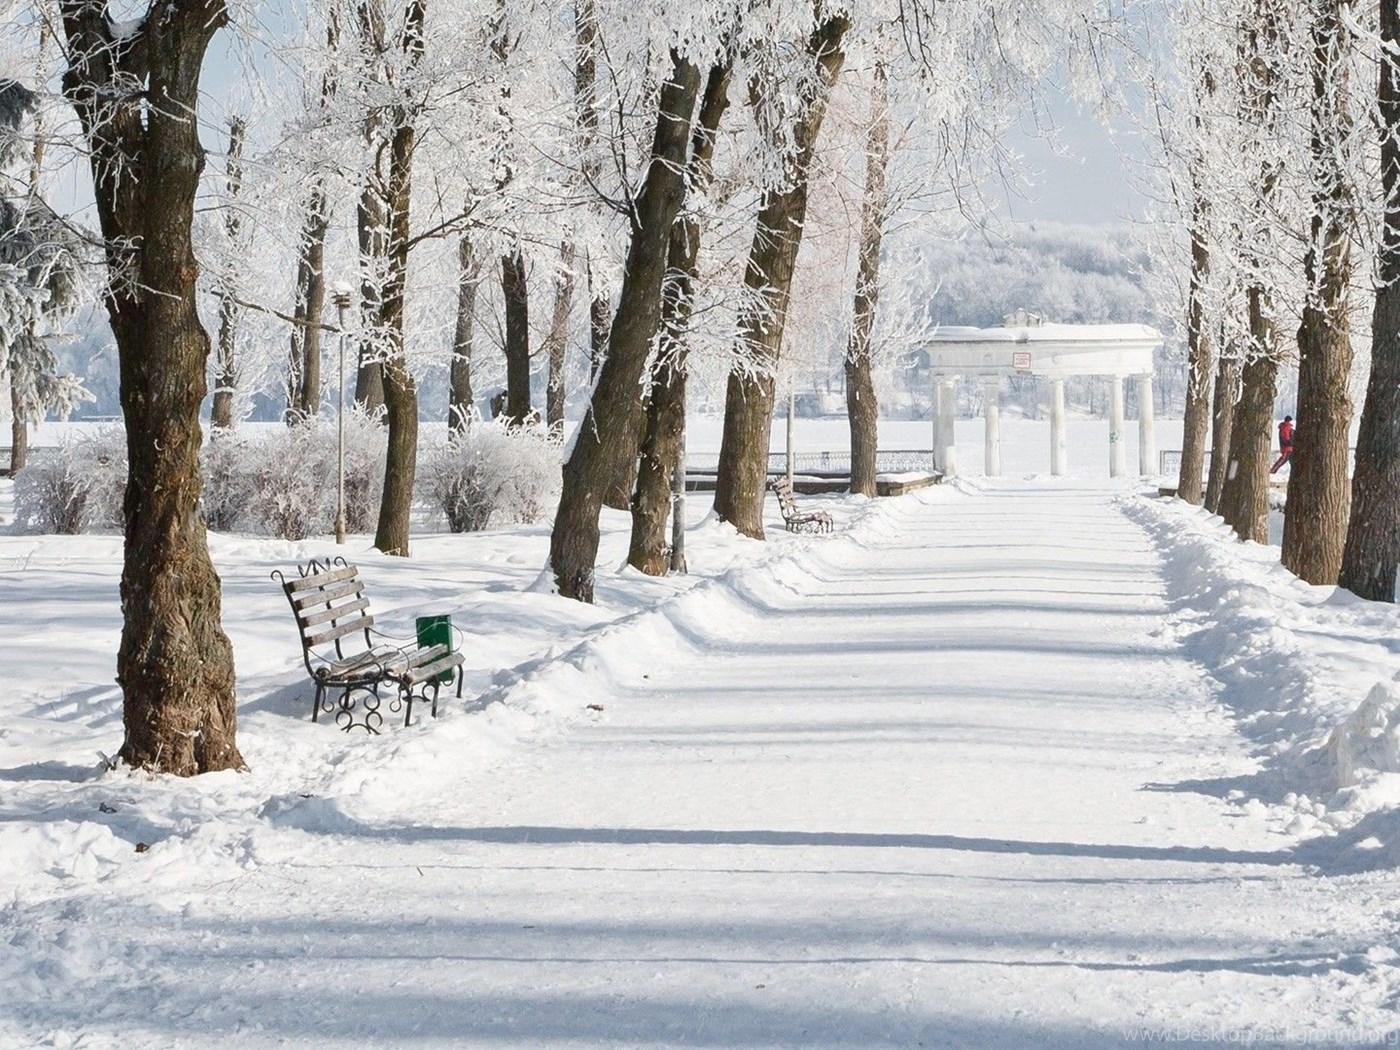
(1001, 763)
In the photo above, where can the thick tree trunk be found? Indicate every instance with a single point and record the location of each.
(556, 342)
(748, 408)
(226, 371)
(862, 407)
(460, 398)
(1198, 380)
(400, 391)
(304, 361)
(1319, 485)
(1244, 498)
(1222, 425)
(610, 431)
(174, 663)
(1373, 534)
(516, 289)
(663, 440)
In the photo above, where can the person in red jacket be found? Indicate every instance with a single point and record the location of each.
(1285, 443)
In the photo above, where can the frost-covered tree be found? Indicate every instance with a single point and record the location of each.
(134, 83)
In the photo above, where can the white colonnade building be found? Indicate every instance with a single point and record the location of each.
(1026, 346)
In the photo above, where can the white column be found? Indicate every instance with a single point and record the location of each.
(935, 411)
(1059, 460)
(1117, 454)
(1147, 427)
(946, 414)
(991, 412)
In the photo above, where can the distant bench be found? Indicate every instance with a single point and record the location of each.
(332, 612)
(794, 519)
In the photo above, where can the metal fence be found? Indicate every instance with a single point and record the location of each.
(887, 461)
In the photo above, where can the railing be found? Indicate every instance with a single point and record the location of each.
(1169, 460)
(887, 461)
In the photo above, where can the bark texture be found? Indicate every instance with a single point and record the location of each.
(174, 663)
(516, 289)
(1319, 485)
(400, 389)
(1222, 425)
(862, 407)
(1373, 534)
(1190, 483)
(226, 371)
(309, 296)
(663, 440)
(460, 397)
(610, 431)
(1244, 496)
(748, 408)
(556, 341)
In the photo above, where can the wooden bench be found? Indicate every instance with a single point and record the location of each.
(338, 644)
(794, 519)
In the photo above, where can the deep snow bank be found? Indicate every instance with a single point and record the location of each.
(1306, 671)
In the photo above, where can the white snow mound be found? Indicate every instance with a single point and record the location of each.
(1369, 739)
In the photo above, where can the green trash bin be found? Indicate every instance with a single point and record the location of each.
(436, 630)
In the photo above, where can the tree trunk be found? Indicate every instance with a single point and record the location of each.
(1198, 382)
(609, 433)
(304, 361)
(1319, 485)
(400, 391)
(862, 407)
(663, 440)
(19, 426)
(226, 370)
(1373, 534)
(586, 102)
(1227, 389)
(556, 343)
(516, 289)
(1244, 497)
(461, 399)
(174, 662)
(371, 221)
(748, 408)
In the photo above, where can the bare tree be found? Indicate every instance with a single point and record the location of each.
(226, 362)
(135, 86)
(1319, 486)
(1373, 533)
(610, 431)
(460, 398)
(663, 441)
(748, 410)
(862, 406)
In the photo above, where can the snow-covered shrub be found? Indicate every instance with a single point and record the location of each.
(282, 481)
(494, 474)
(76, 487)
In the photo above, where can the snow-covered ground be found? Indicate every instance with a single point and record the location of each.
(1032, 762)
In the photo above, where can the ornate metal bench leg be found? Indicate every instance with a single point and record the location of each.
(406, 692)
(320, 698)
(460, 676)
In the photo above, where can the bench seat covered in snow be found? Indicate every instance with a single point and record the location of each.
(345, 654)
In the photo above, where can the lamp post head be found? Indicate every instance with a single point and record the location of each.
(342, 294)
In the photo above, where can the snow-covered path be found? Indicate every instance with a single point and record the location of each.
(953, 788)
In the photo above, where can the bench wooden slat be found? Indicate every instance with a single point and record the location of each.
(320, 579)
(360, 623)
(315, 616)
(330, 604)
(326, 595)
(421, 672)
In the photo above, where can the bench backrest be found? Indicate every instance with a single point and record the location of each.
(782, 488)
(328, 600)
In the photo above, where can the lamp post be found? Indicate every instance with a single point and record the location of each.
(342, 296)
